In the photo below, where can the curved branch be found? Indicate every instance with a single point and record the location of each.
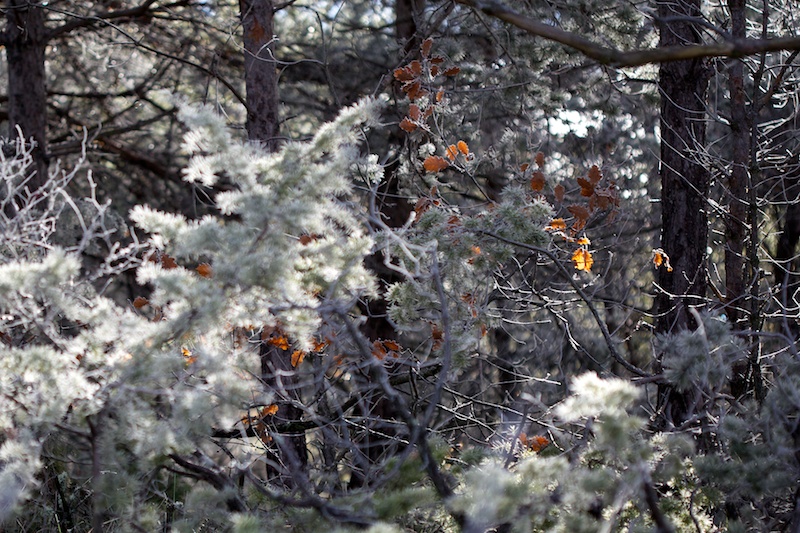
(614, 57)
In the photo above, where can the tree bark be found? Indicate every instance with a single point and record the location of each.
(26, 38)
(684, 186)
(684, 182)
(735, 229)
(261, 75)
(263, 125)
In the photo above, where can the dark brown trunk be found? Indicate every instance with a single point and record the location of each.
(26, 38)
(684, 184)
(260, 72)
(735, 228)
(263, 125)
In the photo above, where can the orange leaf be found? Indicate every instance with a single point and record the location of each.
(416, 67)
(582, 259)
(539, 159)
(537, 181)
(414, 112)
(451, 152)
(407, 126)
(188, 357)
(538, 443)
(434, 163)
(391, 345)
(661, 258)
(452, 71)
(269, 410)
(403, 74)
(523, 167)
(378, 350)
(557, 224)
(584, 241)
(280, 341)
(463, 148)
(297, 357)
(205, 270)
(439, 96)
(140, 301)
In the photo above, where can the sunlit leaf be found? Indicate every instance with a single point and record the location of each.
(462, 147)
(451, 152)
(297, 357)
(582, 259)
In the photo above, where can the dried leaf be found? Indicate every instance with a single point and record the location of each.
(270, 410)
(403, 74)
(205, 270)
(559, 192)
(451, 152)
(462, 147)
(587, 187)
(595, 175)
(425, 47)
(407, 126)
(140, 301)
(297, 357)
(452, 71)
(414, 112)
(580, 212)
(168, 262)
(539, 159)
(582, 259)
(557, 224)
(537, 181)
(434, 163)
(416, 67)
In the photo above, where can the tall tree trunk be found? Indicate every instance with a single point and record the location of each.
(735, 228)
(263, 125)
(25, 39)
(684, 183)
(260, 73)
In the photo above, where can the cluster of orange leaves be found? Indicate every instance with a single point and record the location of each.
(599, 198)
(381, 349)
(535, 443)
(257, 420)
(275, 336)
(168, 262)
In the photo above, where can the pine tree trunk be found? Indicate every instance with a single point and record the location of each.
(263, 125)
(260, 72)
(684, 183)
(26, 38)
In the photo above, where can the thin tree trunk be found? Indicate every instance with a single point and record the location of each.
(684, 183)
(25, 39)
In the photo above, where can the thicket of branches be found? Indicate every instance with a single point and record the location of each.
(399, 266)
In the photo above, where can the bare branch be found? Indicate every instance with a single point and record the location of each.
(614, 57)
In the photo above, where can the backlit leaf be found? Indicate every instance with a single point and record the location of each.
(297, 357)
(582, 259)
